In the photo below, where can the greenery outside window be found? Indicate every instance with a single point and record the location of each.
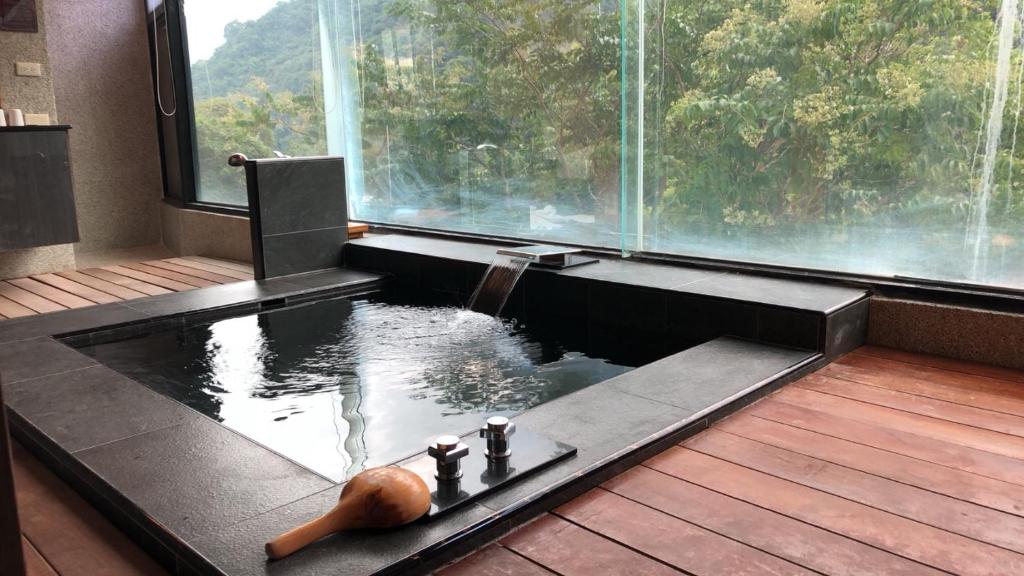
(870, 137)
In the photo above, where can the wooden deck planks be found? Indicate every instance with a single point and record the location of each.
(11, 309)
(931, 546)
(995, 442)
(796, 541)
(926, 507)
(69, 289)
(172, 285)
(922, 405)
(115, 290)
(940, 479)
(209, 278)
(556, 543)
(196, 281)
(35, 564)
(62, 298)
(28, 299)
(910, 444)
(232, 264)
(126, 281)
(236, 274)
(885, 462)
(81, 290)
(71, 537)
(918, 359)
(676, 542)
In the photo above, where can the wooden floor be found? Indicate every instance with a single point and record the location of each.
(882, 463)
(80, 288)
(62, 534)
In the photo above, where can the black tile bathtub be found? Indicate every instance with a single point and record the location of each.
(668, 351)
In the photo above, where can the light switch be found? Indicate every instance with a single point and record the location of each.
(28, 69)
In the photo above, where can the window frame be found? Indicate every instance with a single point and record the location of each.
(172, 13)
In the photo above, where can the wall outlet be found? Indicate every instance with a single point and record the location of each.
(28, 69)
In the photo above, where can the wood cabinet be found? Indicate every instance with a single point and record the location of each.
(37, 203)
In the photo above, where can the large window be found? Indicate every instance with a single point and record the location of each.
(499, 117)
(868, 136)
(873, 137)
(256, 87)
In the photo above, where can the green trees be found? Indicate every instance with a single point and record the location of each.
(827, 111)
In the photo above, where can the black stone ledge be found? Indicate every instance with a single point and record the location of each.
(614, 424)
(189, 306)
(791, 294)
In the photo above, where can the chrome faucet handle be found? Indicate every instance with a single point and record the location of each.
(497, 431)
(448, 451)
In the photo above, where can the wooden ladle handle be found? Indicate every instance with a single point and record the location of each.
(304, 535)
(375, 498)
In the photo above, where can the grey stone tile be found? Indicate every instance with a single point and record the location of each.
(301, 194)
(238, 550)
(212, 297)
(847, 329)
(704, 376)
(797, 294)
(297, 252)
(328, 278)
(199, 477)
(640, 273)
(91, 406)
(67, 321)
(24, 359)
(599, 421)
(471, 251)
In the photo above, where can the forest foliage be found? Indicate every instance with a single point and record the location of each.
(759, 114)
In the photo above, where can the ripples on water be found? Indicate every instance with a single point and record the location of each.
(339, 385)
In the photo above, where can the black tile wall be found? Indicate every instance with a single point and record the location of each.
(298, 252)
(846, 329)
(301, 194)
(298, 214)
(665, 319)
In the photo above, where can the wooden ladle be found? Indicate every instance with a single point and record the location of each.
(375, 498)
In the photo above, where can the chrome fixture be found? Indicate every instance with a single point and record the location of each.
(497, 431)
(447, 451)
(548, 256)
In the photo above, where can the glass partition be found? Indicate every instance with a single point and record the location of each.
(869, 136)
(495, 117)
(256, 87)
(874, 137)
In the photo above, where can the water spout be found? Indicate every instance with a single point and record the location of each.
(494, 289)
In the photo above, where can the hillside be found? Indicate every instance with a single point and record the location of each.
(282, 47)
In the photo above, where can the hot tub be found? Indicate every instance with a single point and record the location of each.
(344, 384)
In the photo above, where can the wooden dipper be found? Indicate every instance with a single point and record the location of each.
(375, 498)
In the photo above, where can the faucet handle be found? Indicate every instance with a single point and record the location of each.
(497, 431)
(447, 450)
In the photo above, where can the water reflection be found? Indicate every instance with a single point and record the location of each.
(339, 386)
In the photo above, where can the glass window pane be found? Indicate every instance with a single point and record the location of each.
(256, 86)
(493, 117)
(869, 136)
